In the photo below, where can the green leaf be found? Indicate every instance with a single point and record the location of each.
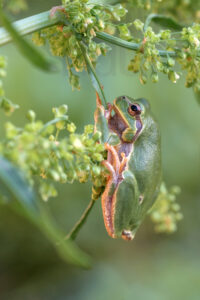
(164, 21)
(93, 76)
(15, 190)
(35, 56)
(13, 186)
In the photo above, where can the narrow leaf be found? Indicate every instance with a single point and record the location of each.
(13, 186)
(164, 21)
(35, 56)
(15, 190)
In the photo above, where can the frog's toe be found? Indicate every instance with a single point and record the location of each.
(127, 235)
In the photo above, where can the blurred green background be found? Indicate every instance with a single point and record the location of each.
(153, 266)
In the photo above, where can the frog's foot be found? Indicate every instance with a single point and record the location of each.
(108, 111)
(55, 9)
(105, 112)
(113, 158)
(127, 235)
(111, 170)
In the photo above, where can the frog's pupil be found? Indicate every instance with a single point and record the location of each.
(134, 108)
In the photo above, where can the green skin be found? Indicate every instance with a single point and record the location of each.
(138, 184)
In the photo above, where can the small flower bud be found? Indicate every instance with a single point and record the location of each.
(71, 127)
(31, 115)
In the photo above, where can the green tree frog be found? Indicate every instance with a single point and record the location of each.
(132, 139)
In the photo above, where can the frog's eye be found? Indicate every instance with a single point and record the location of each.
(134, 109)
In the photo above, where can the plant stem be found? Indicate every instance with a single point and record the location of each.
(43, 20)
(128, 45)
(29, 25)
(75, 230)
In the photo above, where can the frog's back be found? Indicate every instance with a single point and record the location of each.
(146, 167)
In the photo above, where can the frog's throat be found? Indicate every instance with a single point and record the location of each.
(120, 118)
(115, 166)
(120, 114)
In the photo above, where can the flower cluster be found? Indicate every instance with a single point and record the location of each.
(182, 47)
(81, 21)
(165, 213)
(148, 56)
(40, 152)
(190, 55)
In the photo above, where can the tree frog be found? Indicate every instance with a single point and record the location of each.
(132, 139)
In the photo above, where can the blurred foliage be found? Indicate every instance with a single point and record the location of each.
(7, 106)
(165, 212)
(16, 192)
(36, 148)
(15, 6)
(186, 11)
(29, 267)
(39, 150)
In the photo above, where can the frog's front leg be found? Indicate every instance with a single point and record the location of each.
(101, 116)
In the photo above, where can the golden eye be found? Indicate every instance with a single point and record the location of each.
(134, 109)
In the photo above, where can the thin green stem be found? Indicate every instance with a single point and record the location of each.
(128, 45)
(43, 20)
(54, 121)
(91, 71)
(75, 230)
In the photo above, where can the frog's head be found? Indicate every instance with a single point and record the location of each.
(133, 113)
(129, 109)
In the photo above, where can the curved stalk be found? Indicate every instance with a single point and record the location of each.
(128, 45)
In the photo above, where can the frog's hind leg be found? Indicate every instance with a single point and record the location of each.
(112, 164)
(115, 168)
(113, 158)
(123, 163)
